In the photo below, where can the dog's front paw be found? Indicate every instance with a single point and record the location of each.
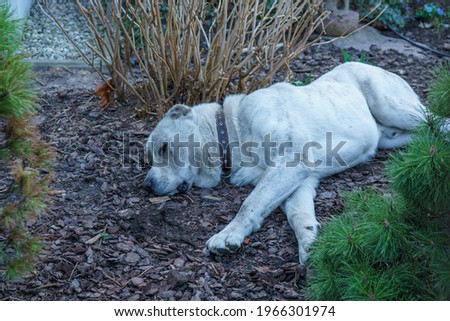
(225, 242)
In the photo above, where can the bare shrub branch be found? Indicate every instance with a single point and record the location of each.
(194, 51)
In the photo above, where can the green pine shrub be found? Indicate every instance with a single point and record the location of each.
(367, 253)
(23, 152)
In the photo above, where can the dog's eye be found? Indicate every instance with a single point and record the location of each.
(163, 149)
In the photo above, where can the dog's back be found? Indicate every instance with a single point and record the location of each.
(391, 100)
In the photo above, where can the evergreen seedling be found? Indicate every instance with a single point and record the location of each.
(24, 152)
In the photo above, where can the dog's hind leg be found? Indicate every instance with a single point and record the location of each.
(299, 209)
(395, 115)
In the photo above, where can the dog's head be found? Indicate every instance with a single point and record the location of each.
(175, 150)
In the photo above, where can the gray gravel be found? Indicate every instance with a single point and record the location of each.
(43, 40)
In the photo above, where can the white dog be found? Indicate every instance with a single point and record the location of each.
(282, 139)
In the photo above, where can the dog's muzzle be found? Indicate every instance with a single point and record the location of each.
(150, 185)
(183, 187)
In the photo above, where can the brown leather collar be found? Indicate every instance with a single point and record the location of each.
(224, 144)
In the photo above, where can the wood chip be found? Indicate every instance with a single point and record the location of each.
(94, 239)
(212, 198)
(160, 199)
(156, 251)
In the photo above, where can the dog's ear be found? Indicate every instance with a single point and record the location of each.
(178, 111)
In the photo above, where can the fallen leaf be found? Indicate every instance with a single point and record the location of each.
(105, 93)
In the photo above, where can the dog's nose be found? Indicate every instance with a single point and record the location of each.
(183, 187)
(148, 183)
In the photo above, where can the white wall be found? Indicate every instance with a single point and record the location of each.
(20, 8)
